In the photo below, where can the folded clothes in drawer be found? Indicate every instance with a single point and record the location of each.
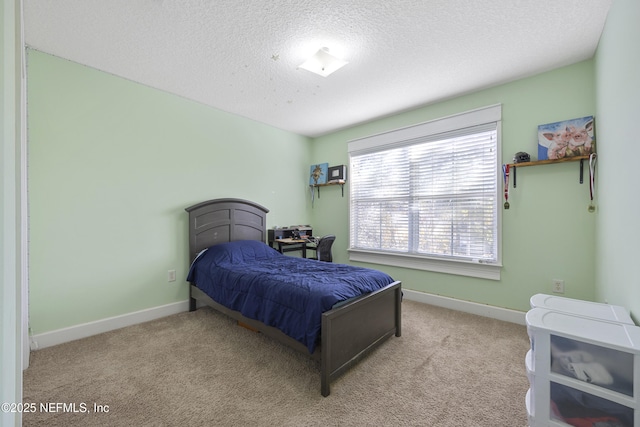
(579, 409)
(594, 364)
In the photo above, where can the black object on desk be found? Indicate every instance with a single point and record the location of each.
(295, 231)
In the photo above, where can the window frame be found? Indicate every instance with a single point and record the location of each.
(400, 137)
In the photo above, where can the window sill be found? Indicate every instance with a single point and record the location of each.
(461, 268)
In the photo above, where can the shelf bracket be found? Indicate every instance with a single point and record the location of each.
(341, 184)
(581, 171)
(514, 176)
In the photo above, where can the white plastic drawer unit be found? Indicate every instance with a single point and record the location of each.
(613, 313)
(581, 370)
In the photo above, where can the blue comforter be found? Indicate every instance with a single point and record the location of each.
(285, 292)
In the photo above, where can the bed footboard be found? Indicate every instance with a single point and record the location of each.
(350, 332)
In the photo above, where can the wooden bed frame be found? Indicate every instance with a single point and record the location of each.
(348, 333)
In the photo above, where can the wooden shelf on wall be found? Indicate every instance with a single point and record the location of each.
(340, 183)
(514, 166)
(329, 183)
(547, 162)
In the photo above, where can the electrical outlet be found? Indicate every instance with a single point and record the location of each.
(558, 286)
(171, 276)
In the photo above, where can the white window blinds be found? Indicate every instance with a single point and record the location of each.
(428, 194)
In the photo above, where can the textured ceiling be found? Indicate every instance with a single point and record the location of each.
(241, 56)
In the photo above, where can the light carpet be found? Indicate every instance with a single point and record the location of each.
(449, 369)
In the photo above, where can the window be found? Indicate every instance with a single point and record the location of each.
(427, 196)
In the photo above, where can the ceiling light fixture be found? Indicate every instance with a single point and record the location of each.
(323, 63)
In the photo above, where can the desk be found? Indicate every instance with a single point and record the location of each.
(290, 245)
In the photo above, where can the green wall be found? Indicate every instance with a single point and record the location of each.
(618, 96)
(547, 232)
(112, 165)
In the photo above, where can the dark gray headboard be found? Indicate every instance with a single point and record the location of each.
(225, 220)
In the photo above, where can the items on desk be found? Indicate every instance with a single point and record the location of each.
(301, 232)
(294, 231)
(288, 239)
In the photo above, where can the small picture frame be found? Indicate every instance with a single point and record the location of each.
(318, 173)
(569, 138)
(337, 173)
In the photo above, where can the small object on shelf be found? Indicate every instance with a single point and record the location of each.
(337, 174)
(521, 157)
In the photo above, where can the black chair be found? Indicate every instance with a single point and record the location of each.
(323, 248)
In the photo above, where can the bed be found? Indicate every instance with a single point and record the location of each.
(360, 310)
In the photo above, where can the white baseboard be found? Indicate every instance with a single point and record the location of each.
(485, 310)
(72, 333)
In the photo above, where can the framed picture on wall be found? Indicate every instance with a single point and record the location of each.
(569, 138)
(318, 173)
